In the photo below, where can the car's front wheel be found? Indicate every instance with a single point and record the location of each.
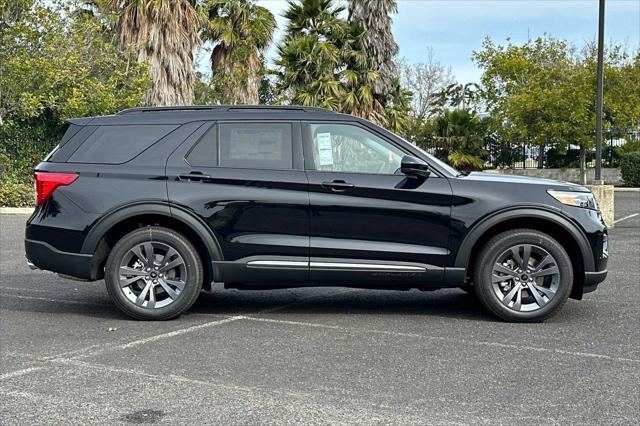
(153, 273)
(523, 275)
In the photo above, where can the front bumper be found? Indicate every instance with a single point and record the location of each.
(592, 279)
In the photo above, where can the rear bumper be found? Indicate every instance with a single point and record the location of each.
(44, 256)
(592, 279)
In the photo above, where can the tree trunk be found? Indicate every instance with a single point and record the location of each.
(541, 156)
(583, 165)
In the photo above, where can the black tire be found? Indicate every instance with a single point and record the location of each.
(541, 245)
(190, 267)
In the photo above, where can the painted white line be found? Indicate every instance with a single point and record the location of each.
(46, 299)
(626, 217)
(35, 290)
(446, 339)
(20, 372)
(16, 210)
(160, 336)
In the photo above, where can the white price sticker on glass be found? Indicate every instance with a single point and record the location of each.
(325, 149)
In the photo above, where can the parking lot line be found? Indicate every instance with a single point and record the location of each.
(625, 218)
(168, 377)
(19, 373)
(177, 332)
(30, 290)
(445, 339)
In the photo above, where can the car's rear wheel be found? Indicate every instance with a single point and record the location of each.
(153, 273)
(523, 275)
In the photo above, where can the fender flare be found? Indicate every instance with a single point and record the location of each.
(464, 253)
(110, 219)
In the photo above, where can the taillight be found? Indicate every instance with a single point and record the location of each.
(46, 183)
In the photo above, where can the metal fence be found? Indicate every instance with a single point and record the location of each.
(520, 155)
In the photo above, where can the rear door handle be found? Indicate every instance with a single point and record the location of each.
(338, 185)
(194, 176)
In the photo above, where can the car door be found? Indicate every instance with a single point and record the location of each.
(368, 221)
(246, 181)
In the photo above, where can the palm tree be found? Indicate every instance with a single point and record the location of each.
(378, 43)
(240, 31)
(322, 62)
(458, 133)
(163, 34)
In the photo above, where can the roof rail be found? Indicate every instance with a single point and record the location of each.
(222, 108)
(168, 108)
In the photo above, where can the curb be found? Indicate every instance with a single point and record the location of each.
(16, 210)
(627, 189)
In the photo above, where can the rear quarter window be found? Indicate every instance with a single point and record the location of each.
(119, 144)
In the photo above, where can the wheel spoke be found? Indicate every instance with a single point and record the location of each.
(168, 255)
(148, 250)
(544, 262)
(501, 268)
(500, 278)
(138, 252)
(174, 263)
(518, 303)
(125, 270)
(143, 295)
(525, 256)
(546, 291)
(536, 295)
(515, 253)
(171, 292)
(152, 298)
(509, 296)
(177, 284)
(126, 282)
(549, 271)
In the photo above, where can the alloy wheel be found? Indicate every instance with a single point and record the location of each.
(525, 277)
(152, 275)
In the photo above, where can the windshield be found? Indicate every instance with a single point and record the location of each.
(440, 163)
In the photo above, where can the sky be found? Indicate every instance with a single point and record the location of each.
(453, 29)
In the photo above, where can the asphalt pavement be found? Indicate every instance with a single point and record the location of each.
(317, 356)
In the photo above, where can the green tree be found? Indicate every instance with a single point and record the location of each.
(321, 61)
(377, 41)
(54, 65)
(240, 31)
(544, 92)
(458, 136)
(163, 34)
(457, 96)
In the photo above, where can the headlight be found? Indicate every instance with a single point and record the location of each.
(576, 199)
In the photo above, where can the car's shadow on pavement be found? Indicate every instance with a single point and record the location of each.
(452, 303)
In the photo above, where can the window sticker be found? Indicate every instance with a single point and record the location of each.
(325, 149)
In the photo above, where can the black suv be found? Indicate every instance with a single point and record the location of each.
(162, 202)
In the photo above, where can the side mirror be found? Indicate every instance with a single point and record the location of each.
(412, 166)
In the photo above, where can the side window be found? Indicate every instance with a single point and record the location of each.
(119, 144)
(348, 148)
(256, 145)
(205, 152)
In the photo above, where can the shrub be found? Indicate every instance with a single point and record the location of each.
(630, 168)
(16, 194)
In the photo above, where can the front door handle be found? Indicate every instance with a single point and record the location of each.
(338, 185)
(194, 176)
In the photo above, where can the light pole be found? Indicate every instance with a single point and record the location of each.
(600, 94)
